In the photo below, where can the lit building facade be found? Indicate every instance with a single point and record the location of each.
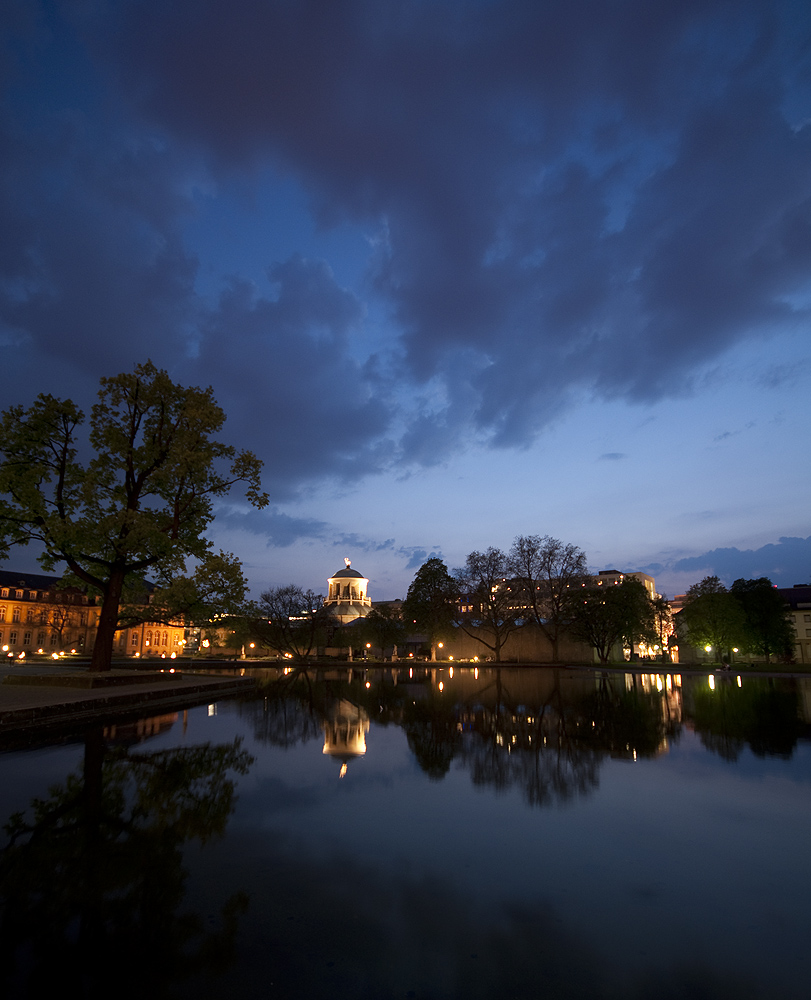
(38, 616)
(347, 597)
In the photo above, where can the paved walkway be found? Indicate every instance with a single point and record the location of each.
(41, 696)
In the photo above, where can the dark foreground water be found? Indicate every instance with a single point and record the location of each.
(512, 833)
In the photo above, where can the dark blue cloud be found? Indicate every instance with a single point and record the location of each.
(786, 563)
(565, 200)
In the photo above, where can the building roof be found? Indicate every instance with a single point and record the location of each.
(348, 572)
(798, 596)
(27, 581)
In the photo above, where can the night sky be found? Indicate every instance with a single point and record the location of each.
(457, 271)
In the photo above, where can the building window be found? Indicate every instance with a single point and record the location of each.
(5, 592)
(808, 633)
(83, 618)
(134, 640)
(166, 638)
(53, 638)
(15, 615)
(807, 618)
(12, 638)
(2, 614)
(29, 615)
(20, 594)
(33, 594)
(148, 638)
(40, 638)
(43, 617)
(26, 639)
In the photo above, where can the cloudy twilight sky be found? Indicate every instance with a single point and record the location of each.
(457, 270)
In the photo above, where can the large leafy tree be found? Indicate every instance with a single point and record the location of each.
(712, 617)
(491, 607)
(546, 571)
(143, 500)
(604, 616)
(431, 602)
(769, 626)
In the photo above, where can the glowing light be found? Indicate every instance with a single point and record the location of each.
(342, 772)
(712, 682)
(451, 671)
(476, 673)
(368, 684)
(708, 649)
(174, 655)
(739, 681)
(441, 686)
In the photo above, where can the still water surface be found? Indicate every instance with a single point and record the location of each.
(510, 833)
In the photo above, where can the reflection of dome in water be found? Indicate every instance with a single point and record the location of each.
(347, 598)
(345, 732)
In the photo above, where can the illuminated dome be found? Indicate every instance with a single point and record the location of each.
(347, 598)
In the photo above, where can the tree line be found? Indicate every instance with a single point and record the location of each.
(540, 581)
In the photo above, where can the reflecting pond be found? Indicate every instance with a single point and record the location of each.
(421, 833)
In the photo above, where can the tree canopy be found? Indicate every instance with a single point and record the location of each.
(491, 608)
(769, 628)
(141, 503)
(546, 571)
(712, 617)
(431, 602)
(289, 620)
(603, 616)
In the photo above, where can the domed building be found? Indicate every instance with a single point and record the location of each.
(347, 598)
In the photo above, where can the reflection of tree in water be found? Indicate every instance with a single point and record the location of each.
(93, 881)
(552, 751)
(761, 713)
(432, 730)
(282, 721)
(628, 721)
(533, 749)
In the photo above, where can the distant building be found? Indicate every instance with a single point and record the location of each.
(40, 615)
(347, 597)
(798, 598)
(610, 576)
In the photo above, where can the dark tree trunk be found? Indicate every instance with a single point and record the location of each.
(108, 622)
